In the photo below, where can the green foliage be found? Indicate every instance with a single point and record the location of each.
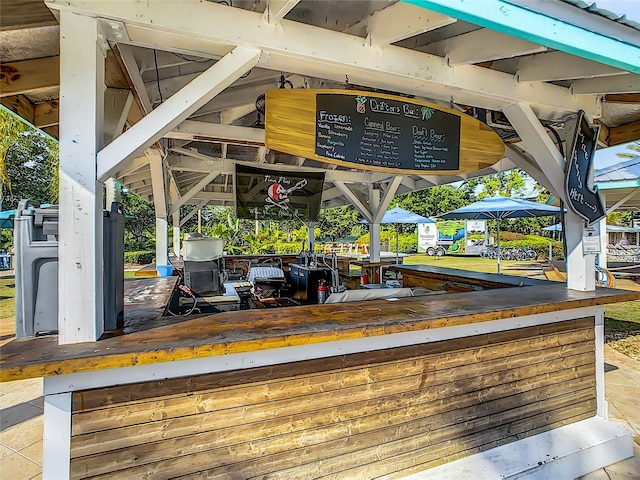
(140, 257)
(6, 239)
(434, 201)
(287, 247)
(28, 164)
(340, 222)
(408, 243)
(511, 183)
(140, 227)
(539, 244)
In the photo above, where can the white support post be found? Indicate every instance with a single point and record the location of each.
(601, 402)
(536, 141)
(311, 235)
(112, 193)
(162, 241)
(374, 227)
(581, 268)
(56, 458)
(160, 206)
(604, 238)
(80, 247)
(176, 234)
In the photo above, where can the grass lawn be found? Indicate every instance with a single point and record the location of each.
(7, 297)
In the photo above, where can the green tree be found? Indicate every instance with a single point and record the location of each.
(28, 163)
(340, 222)
(511, 183)
(434, 201)
(139, 224)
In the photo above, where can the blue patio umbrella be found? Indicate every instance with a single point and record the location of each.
(6, 218)
(497, 208)
(399, 215)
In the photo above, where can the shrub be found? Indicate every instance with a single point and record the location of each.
(539, 244)
(143, 257)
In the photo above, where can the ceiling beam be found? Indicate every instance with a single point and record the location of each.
(198, 187)
(525, 23)
(624, 133)
(623, 98)
(215, 132)
(400, 21)
(629, 83)
(47, 114)
(21, 106)
(320, 53)
(30, 76)
(553, 66)
(538, 144)
(22, 14)
(482, 45)
(276, 10)
(130, 66)
(354, 200)
(172, 112)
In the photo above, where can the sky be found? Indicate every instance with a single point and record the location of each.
(605, 157)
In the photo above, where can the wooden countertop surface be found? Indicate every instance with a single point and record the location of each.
(245, 331)
(459, 275)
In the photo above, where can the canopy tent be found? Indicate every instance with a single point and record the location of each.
(399, 215)
(610, 229)
(499, 207)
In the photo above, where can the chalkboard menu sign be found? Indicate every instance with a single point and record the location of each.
(381, 132)
(582, 197)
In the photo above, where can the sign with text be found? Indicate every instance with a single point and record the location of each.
(263, 194)
(582, 196)
(379, 132)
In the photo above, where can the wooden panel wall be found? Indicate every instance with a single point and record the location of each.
(384, 413)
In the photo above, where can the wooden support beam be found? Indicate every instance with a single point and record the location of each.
(23, 14)
(624, 133)
(29, 76)
(622, 98)
(46, 114)
(53, 130)
(20, 105)
(603, 133)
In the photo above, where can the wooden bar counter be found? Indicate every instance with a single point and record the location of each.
(358, 390)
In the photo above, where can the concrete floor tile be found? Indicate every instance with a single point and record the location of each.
(5, 452)
(17, 414)
(23, 435)
(18, 467)
(26, 390)
(33, 452)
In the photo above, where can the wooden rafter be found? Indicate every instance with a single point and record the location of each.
(29, 76)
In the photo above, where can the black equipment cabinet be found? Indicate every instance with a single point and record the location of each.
(304, 280)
